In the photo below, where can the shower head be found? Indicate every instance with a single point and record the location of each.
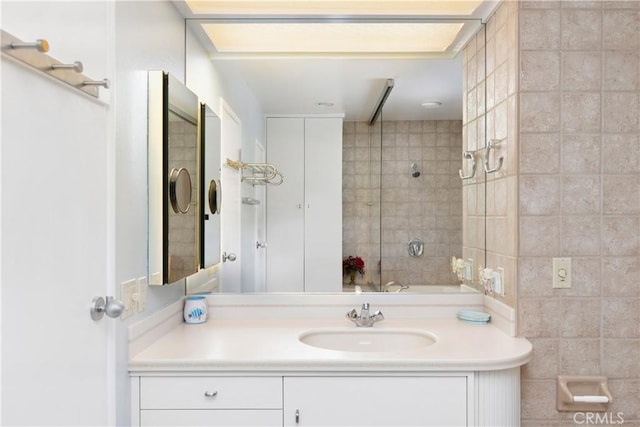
(414, 170)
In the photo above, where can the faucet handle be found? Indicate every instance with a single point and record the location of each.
(377, 316)
(353, 314)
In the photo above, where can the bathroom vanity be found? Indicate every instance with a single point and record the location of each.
(282, 362)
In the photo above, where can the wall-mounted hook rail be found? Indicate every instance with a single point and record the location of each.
(468, 155)
(76, 66)
(32, 54)
(492, 145)
(41, 45)
(104, 83)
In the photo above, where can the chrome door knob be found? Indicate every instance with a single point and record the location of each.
(230, 256)
(111, 307)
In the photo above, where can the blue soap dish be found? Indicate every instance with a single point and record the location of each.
(474, 316)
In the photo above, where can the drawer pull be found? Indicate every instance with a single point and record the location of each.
(210, 393)
(297, 416)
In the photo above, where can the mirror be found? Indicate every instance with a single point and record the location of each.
(173, 149)
(402, 204)
(210, 187)
(396, 190)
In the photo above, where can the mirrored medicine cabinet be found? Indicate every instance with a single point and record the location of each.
(184, 181)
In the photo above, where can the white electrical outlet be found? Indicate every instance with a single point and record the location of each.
(128, 290)
(562, 273)
(142, 294)
(499, 281)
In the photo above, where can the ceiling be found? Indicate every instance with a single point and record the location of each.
(286, 82)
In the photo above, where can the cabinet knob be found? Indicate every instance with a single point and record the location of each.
(210, 393)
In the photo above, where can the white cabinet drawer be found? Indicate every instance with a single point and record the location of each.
(221, 393)
(211, 417)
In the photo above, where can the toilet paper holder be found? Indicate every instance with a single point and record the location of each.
(583, 393)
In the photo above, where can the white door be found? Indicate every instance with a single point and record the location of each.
(230, 214)
(261, 228)
(285, 213)
(323, 204)
(58, 223)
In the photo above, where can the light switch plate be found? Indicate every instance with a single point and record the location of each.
(142, 294)
(128, 289)
(562, 273)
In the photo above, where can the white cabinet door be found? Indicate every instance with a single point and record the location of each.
(304, 214)
(323, 204)
(285, 214)
(375, 401)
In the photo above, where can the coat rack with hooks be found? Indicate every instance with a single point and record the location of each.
(33, 54)
(259, 173)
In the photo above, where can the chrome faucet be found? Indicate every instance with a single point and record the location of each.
(364, 319)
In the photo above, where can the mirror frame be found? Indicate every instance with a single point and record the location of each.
(210, 155)
(167, 95)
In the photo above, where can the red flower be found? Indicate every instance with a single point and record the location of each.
(352, 263)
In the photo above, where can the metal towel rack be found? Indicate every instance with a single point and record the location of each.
(492, 145)
(33, 54)
(471, 155)
(259, 173)
(468, 155)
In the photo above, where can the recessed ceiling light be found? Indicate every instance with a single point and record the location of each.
(431, 104)
(334, 7)
(332, 37)
(325, 104)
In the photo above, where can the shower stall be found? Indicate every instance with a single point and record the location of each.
(402, 200)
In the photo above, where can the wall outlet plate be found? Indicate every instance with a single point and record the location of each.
(562, 273)
(499, 279)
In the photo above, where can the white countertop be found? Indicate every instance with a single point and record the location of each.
(272, 345)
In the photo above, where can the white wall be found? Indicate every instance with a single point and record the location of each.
(151, 36)
(137, 36)
(211, 80)
(148, 36)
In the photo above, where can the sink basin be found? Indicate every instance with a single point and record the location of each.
(368, 340)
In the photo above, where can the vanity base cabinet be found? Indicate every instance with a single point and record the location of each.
(480, 399)
(376, 401)
(210, 401)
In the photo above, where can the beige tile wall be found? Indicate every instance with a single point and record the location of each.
(382, 195)
(183, 239)
(572, 190)
(491, 84)
(473, 136)
(579, 197)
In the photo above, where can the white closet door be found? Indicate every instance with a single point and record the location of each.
(230, 213)
(285, 214)
(323, 203)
